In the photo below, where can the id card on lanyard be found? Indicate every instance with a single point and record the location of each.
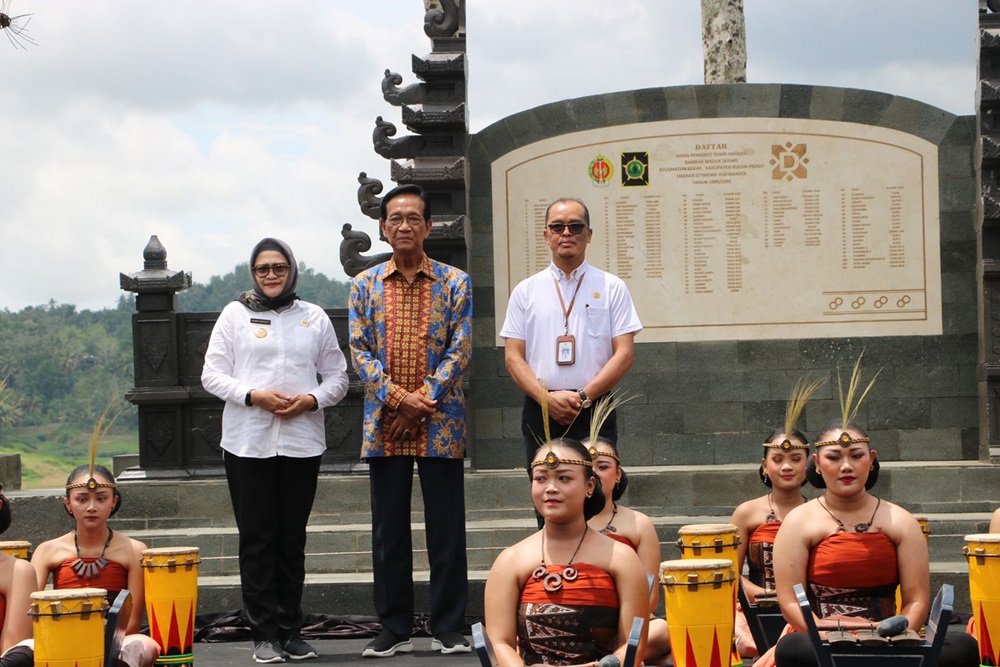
(566, 344)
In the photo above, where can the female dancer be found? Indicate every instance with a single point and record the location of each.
(631, 528)
(93, 555)
(566, 595)
(783, 471)
(17, 583)
(851, 548)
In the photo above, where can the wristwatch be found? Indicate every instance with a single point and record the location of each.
(583, 397)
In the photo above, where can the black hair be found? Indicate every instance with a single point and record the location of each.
(622, 484)
(5, 515)
(797, 434)
(593, 505)
(837, 426)
(103, 472)
(409, 189)
(563, 200)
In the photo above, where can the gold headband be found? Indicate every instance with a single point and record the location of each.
(551, 461)
(92, 485)
(785, 445)
(845, 440)
(595, 452)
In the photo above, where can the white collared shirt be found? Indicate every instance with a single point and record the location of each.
(603, 310)
(283, 351)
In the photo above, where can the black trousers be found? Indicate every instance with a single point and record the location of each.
(272, 499)
(442, 485)
(534, 433)
(959, 650)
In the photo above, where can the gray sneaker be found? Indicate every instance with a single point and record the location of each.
(299, 650)
(268, 652)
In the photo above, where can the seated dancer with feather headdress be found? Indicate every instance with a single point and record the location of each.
(565, 595)
(92, 555)
(850, 549)
(783, 472)
(17, 583)
(631, 528)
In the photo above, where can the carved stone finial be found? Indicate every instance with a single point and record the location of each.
(405, 147)
(155, 276)
(442, 22)
(154, 255)
(352, 246)
(391, 93)
(367, 199)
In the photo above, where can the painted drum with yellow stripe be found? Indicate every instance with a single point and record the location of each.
(983, 553)
(709, 540)
(699, 595)
(68, 626)
(16, 548)
(171, 578)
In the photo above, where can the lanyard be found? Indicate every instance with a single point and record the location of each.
(562, 303)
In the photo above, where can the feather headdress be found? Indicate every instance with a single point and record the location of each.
(602, 410)
(801, 393)
(849, 405)
(551, 460)
(103, 425)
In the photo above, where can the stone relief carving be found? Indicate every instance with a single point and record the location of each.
(391, 93)
(404, 147)
(367, 199)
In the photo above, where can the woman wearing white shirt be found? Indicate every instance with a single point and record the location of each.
(263, 359)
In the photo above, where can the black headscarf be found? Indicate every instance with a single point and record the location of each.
(255, 299)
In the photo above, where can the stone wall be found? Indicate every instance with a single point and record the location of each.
(712, 402)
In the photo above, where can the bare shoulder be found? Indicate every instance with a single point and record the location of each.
(747, 512)
(54, 551)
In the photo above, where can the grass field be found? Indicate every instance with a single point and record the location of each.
(49, 453)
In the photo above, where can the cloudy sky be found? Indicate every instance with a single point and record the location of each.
(214, 123)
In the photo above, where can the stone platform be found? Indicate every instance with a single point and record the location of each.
(956, 497)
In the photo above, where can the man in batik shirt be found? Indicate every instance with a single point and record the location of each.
(411, 340)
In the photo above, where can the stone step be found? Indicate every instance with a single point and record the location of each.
(342, 594)
(346, 548)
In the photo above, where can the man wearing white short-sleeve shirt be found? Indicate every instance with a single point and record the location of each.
(569, 330)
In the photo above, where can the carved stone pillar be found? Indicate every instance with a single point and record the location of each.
(989, 231)
(433, 156)
(724, 41)
(158, 392)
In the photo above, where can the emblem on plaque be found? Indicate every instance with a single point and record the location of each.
(601, 171)
(789, 161)
(635, 168)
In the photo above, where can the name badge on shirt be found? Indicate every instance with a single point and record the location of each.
(566, 350)
(257, 320)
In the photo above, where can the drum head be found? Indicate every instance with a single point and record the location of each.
(170, 551)
(988, 538)
(69, 594)
(707, 529)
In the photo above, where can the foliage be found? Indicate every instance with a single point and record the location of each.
(220, 290)
(63, 367)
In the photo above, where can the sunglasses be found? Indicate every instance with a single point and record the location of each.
(575, 228)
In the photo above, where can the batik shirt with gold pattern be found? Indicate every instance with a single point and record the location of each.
(409, 337)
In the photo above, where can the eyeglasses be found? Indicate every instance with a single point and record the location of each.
(411, 220)
(575, 228)
(279, 270)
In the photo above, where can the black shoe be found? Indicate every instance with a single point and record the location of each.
(268, 652)
(450, 642)
(298, 649)
(387, 645)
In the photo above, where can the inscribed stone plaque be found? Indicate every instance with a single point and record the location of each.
(739, 228)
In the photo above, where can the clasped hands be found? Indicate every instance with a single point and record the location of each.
(282, 405)
(410, 416)
(564, 406)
